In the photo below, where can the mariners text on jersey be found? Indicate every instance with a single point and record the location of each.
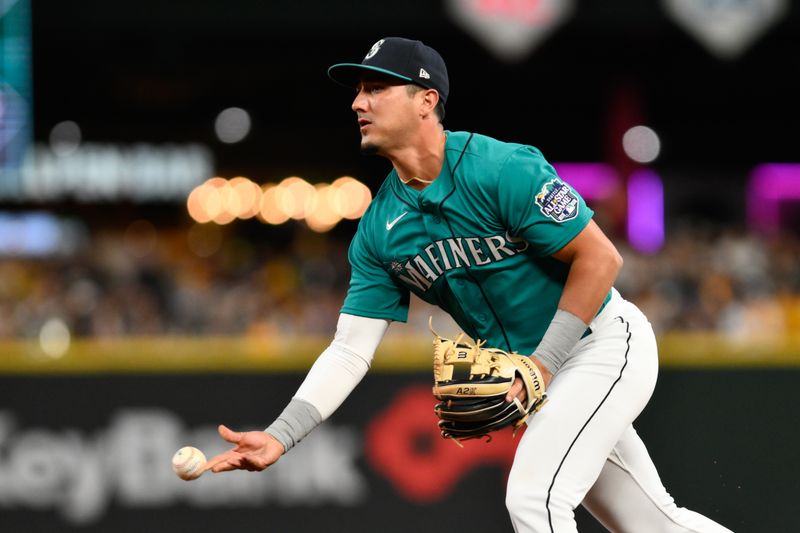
(477, 242)
(445, 254)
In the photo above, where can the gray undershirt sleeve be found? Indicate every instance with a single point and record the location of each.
(334, 375)
(294, 423)
(560, 338)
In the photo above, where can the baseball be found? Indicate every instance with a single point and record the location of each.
(188, 463)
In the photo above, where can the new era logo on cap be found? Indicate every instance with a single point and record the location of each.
(408, 60)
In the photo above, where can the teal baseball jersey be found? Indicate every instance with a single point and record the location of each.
(476, 242)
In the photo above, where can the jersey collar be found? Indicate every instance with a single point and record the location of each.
(442, 186)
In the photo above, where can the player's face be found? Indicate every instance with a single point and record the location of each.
(386, 114)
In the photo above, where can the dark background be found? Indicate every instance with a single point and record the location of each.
(161, 71)
(725, 441)
(717, 449)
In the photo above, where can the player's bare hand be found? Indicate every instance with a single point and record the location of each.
(254, 451)
(517, 390)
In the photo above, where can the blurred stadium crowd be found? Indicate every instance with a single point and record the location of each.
(141, 282)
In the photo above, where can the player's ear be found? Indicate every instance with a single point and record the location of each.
(430, 97)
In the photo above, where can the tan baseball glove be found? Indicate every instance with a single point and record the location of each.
(472, 382)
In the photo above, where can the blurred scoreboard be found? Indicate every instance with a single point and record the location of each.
(15, 90)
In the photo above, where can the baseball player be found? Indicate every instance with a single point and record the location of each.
(488, 231)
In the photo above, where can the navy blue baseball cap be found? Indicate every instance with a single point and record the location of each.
(407, 60)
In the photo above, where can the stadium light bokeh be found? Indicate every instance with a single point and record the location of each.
(320, 206)
(642, 144)
(594, 181)
(770, 185)
(232, 125)
(645, 211)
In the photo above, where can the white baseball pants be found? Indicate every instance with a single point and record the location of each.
(582, 448)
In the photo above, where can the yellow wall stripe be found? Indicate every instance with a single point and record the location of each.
(247, 354)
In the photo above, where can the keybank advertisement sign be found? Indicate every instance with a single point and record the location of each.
(93, 454)
(78, 475)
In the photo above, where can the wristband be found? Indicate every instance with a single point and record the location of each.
(561, 336)
(294, 423)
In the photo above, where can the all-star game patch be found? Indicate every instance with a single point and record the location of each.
(557, 201)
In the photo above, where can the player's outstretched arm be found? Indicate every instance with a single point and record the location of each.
(331, 379)
(253, 451)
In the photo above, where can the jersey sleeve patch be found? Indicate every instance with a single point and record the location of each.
(556, 200)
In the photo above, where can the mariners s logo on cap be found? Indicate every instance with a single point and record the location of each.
(404, 59)
(374, 49)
